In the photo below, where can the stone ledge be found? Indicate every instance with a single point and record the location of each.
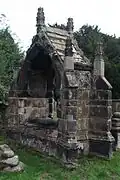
(44, 122)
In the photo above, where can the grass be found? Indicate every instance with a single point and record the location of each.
(40, 168)
(2, 140)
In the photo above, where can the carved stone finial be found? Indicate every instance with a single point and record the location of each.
(99, 49)
(68, 47)
(40, 19)
(99, 60)
(70, 25)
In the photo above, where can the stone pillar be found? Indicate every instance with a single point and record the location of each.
(100, 137)
(68, 61)
(51, 107)
(68, 148)
(40, 19)
(70, 84)
(67, 129)
(116, 129)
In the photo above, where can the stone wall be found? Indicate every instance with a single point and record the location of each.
(84, 80)
(42, 139)
(22, 109)
(116, 122)
(28, 124)
(115, 105)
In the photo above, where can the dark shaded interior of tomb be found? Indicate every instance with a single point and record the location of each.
(41, 76)
(42, 79)
(37, 78)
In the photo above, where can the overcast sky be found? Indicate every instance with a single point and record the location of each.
(22, 15)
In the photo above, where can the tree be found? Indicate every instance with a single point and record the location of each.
(10, 55)
(87, 38)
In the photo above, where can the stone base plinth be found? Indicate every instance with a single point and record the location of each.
(102, 147)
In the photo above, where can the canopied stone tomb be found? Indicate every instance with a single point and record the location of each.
(60, 102)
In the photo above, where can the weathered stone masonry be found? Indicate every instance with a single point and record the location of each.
(101, 140)
(60, 103)
(116, 123)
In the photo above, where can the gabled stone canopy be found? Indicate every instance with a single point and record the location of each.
(56, 37)
(50, 41)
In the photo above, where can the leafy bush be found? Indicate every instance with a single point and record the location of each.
(10, 55)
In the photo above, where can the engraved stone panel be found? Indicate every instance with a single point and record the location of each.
(84, 79)
(72, 80)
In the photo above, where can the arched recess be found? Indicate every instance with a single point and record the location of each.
(40, 60)
(41, 51)
(48, 71)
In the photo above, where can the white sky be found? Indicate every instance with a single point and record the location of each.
(22, 15)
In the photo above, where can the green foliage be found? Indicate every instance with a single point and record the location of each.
(87, 38)
(3, 93)
(10, 55)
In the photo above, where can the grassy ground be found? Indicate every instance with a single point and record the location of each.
(39, 168)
